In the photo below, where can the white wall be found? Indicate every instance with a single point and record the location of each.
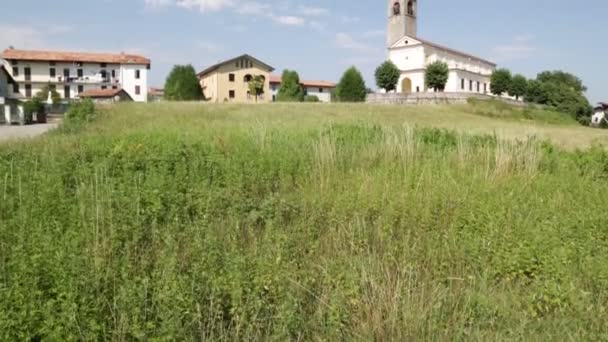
(408, 58)
(417, 78)
(129, 82)
(324, 94)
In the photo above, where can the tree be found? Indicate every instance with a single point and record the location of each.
(561, 77)
(536, 92)
(351, 87)
(518, 86)
(436, 75)
(387, 76)
(256, 86)
(500, 82)
(291, 90)
(43, 94)
(182, 84)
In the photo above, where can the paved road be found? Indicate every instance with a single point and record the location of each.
(16, 132)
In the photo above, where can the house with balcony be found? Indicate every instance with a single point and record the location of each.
(70, 74)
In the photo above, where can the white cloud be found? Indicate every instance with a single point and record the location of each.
(290, 20)
(346, 41)
(201, 5)
(313, 11)
(520, 47)
(349, 20)
(374, 33)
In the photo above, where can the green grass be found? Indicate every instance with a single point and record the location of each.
(303, 222)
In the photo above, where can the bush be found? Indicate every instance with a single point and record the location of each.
(351, 87)
(78, 115)
(500, 82)
(291, 89)
(182, 84)
(31, 107)
(436, 75)
(387, 76)
(311, 98)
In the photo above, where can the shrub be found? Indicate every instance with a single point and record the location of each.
(182, 84)
(436, 75)
(351, 87)
(291, 89)
(387, 76)
(311, 98)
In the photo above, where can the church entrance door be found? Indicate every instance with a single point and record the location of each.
(406, 86)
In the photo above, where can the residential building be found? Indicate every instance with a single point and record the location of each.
(106, 95)
(228, 81)
(156, 94)
(600, 113)
(72, 73)
(412, 55)
(321, 89)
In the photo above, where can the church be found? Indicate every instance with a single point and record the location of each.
(412, 54)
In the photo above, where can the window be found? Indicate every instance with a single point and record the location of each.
(28, 90)
(478, 86)
(417, 89)
(103, 65)
(462, 84)
(104, 87)
(137, 74)
(79, 72)
(52, 63)
(79, 64)
(237, 64)
(104, 74)
(231, 77)
(114, 87)
(485, 88)
(15, 87)
(113, 73)
(14, 62)
(28, 73)
(66, 73)
(137, 90)
(250, 64)
(470, 85)
(80, 89)
(66, 92)
(15, 71)
(52, 72)
(231, 94)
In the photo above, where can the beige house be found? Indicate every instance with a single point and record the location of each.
(228, 81)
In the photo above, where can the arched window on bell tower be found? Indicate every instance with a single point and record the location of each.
(411, 8)
(396, 8)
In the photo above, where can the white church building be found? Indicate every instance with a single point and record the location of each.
(412, 54)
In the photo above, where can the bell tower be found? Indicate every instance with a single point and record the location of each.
(402, 15)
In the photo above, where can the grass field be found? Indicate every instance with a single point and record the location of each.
(306, 222)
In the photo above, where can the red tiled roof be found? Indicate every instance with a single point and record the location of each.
(101, 93)
(276, 79)
(64, 56)
(156, 91)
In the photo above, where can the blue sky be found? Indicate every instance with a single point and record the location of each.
(319, 39)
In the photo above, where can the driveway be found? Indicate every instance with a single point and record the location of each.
(17, 132)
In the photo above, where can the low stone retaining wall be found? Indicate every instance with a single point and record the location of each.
(433, 98)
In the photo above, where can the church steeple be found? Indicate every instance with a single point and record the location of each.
(402, 16)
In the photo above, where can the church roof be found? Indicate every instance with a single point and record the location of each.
(441, 47)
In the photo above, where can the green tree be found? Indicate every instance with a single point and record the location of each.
(562, 77)
(43, 94)
(436, 75)
(291, 90)
(536, 92)
(500, 82)
(518, 87)
(182, 84)
(387, 76)
(351, 87)
(256, 86)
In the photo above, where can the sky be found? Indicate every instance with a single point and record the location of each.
(319, 39)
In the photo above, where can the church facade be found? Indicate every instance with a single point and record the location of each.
(412, 54)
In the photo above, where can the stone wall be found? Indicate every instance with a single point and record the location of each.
(433, 98)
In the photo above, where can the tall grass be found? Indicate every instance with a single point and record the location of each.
(242, 228)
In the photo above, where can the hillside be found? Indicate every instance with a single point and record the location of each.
(305, 222)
